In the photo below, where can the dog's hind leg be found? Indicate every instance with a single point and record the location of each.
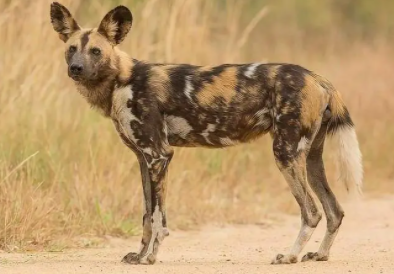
(291, 150)
(318, 181)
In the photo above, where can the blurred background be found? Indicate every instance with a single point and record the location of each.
(66, 179)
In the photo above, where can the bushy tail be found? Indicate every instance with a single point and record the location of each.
(349, 159)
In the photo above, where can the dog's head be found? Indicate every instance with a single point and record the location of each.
(90, 52)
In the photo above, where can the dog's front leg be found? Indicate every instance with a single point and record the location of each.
(154, 156)
(153, 172)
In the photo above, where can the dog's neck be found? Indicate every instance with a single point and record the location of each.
(99, 93)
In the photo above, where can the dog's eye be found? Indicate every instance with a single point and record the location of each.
(72, 49)
(96, 51)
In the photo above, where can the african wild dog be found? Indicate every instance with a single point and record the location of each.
(157, 106)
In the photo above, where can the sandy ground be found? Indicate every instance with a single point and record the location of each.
(365, 244)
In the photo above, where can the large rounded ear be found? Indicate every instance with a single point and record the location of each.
(62, 21)
(116, 24)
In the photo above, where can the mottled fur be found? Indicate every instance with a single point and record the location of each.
(155, 107)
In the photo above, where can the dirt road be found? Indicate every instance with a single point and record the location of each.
(365, 244)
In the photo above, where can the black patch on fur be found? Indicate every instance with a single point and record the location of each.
(178, 77)
(121, 16)
(208, 76)
(139, 76)
(337, 122)
(85, 39)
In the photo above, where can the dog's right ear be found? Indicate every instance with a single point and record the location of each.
(62, 21)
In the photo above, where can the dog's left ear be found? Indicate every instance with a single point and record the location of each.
(116, 24)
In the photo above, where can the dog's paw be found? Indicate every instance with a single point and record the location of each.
(284, 259)
(131, 258)
(314, 257)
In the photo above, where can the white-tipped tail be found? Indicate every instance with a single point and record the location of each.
(349, 159)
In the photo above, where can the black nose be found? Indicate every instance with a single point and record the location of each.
(76, 69)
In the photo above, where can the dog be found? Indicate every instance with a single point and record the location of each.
(155, 107)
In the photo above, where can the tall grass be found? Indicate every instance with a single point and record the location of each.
(64, 174)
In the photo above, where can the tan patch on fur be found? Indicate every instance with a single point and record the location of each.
(75, 39)
(168, 67)
(159, 83)
(337, 105)
(99, 41)
(278, 100)
(253, 90)
(124, 65)
(272, 73)
(223, 86)
(204, 69)
(332, 96)
(312, 96)
(251, 120)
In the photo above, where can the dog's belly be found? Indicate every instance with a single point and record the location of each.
(227, 130)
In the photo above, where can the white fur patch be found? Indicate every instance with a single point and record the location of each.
(157, 222)
(158, 232)
(178, 126)
(119, 100)
(302, 143)
(188, 87)
(263, 121)
(121, 113)
(147, 150)
(210, 128)
(349, 159)
(302, 239)
(251, 70)
(227, 141)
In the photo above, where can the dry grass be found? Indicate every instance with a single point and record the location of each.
(63, 170)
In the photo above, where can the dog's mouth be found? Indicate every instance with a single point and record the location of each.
(76, 78)
(83, 78)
